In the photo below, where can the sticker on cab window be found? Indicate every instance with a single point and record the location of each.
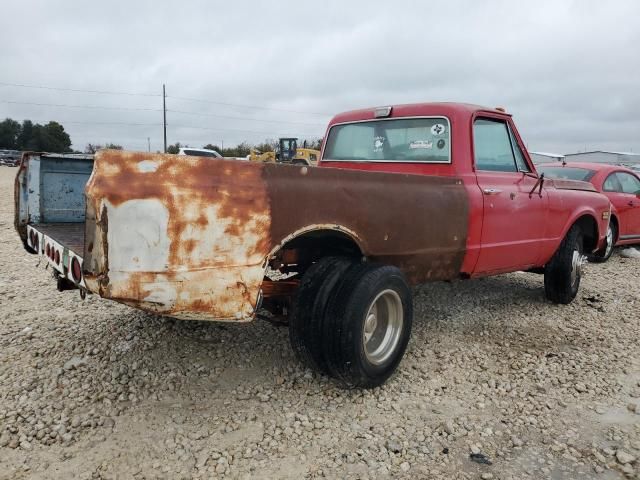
(440, 144)
(378, 143)
(438, 129)
(420, 144)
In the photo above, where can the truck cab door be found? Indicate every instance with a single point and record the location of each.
(514, 217)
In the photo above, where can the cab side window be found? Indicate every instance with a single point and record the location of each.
(612, 184)
(492, 146)
(629, 183)
(520, 161)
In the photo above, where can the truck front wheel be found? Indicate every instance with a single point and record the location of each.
(563, 272)
(367, 325)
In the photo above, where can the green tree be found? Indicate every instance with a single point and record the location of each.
(9, 133)
(210, 146)
(175, 148)
(25, 138)
(54, 139)
(269, 145)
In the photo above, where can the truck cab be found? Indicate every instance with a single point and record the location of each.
(513, 222)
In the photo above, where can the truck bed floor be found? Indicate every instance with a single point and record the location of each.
(71, 235)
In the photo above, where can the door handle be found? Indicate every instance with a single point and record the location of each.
(630, 203)
(491, 191)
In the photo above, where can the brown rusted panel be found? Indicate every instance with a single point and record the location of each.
(178, 235)
(416, 222)
(19, 216)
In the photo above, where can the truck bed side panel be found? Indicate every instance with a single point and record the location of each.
(416, 222)
(189, 236)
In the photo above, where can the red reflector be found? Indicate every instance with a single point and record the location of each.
(76, 271)
(57, 257)
(48, 250)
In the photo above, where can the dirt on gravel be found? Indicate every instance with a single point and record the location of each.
(497, 383)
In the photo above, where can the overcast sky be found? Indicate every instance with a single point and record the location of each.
(569, 71)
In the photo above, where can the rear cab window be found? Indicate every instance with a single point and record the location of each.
(416, 139)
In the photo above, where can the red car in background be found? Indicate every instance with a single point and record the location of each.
(621, 185)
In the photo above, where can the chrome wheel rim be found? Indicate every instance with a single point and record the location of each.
(382, 326)
(609, 246)
(577, 261)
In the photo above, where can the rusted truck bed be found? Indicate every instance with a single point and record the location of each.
(194, 237)
(70, 235)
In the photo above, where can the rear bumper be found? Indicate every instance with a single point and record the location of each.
(57, 253)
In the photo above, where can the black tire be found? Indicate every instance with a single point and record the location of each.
(345, 353)
(563, 272)
(309, 307)
(605, 253)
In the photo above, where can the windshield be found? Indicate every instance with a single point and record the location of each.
(402, 139)
(567, 173)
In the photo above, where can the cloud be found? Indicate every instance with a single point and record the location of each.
(568, 71)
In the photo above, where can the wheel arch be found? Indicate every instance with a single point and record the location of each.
(317, 241)
(590, 231)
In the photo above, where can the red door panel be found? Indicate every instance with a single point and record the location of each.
(514, 223)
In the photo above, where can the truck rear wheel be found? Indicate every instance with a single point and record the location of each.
(563, 272)
(367, 325)
(309, 307)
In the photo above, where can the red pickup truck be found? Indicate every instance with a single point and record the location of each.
(402, 195)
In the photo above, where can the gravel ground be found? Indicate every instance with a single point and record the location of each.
(497, 383)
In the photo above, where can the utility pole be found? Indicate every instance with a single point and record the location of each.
(149, 144)
(164, 115)
(222, 152)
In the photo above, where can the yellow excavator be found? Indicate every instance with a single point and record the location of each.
(287, 151)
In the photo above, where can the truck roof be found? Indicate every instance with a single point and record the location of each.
(449, 109)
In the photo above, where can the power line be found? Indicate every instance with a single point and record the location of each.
(190, 99)
(103, 107)
(243, 118)
(256, 107)
(188, 127)
(112, 123)
(99, 107)
(78, 90)
(245, 131)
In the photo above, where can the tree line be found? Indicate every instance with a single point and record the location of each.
(27, 135)
(52, 137)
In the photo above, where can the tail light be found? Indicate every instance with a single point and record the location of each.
(76, 271)
(57, 257)
(48, 250)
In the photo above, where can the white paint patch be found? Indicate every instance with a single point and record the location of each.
(137, 236)
(164, 293)
(147, 166)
